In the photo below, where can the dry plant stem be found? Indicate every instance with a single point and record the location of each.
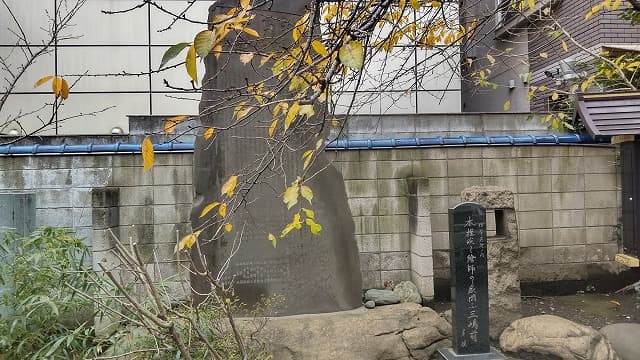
(595, 55)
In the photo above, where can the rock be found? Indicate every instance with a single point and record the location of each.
(553, 335)
(382, 297)
(370, 304)
(408, 292)
(404, 331)
(624, 339)
(491, 197)
(448, 315)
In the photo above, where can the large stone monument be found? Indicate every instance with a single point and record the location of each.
(314, 273)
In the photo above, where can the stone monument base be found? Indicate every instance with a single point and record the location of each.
(449, 354)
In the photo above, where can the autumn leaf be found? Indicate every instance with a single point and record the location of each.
(314, 227)
(246, 58)
(42, 80)
(415, 4)
(564, 46)
(204, 41)
(291, 115)
(208, 133)
(147, 153)
(309, 213)
(532, 4)
(222, 210)
(208, 208)
(190, 63)
(290, 196)
(272, 127)
(229, 186)
(306, 110)
(245, 4)
(187, 241)
(554, 96)
(319, 48)
(307, 156)
(56, 86)
(544, 55)
(251, 32)
(306, 193)
(217, 50)
(228, 227)
(351, 54)
(172, 52)
(273, 240)
(436, 4)
(507, 105)
(172, 122)
(64, 91)
(491, 59)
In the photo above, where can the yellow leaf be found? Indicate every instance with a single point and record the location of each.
(217, 50)
(190, 63)
(272, 128)
(299, 27)
(56, 86)
(147, 153)
(309, 213)
(290, 196)
(64, 92)
(402, 4)
(335, 122)
(507, 105)
(544, 55)
(314, 227)
(351, 54)
(273, 240)
(306, 110)
(208, 208)
(593, 11)
(172, 122)
(187, 241)
(306, 193)
(228, 227)
(564, 46)
(297, 223)
(208, 133)
(415, 4)
(319, 48)
(554, 96)
(436, 4)
(542, 88)
(246, 58)
(319, 143)
(229, 186)
(222, 210)
(291, 115)
(615, 302)
(616, 4)
(307, 156)
(532, 4)
(245, 4)
(251, 32)
(43, 80)
(491, 59)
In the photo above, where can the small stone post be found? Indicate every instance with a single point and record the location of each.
(503, 253)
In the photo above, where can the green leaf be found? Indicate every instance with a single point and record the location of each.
(273, 240)
(172, 52)
(309, 213)
(204, 41)
(290, 196)
(351, 54)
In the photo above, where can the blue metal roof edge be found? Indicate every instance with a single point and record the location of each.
(346, 144)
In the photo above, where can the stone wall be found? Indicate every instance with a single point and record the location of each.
(92, 193)
(567, 200)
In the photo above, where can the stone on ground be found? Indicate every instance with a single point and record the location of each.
(370, 304)
(625, 339)
(408, 292)
(381, 297)
(405, 331)
(553, 335)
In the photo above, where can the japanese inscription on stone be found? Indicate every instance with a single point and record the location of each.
(469, 289)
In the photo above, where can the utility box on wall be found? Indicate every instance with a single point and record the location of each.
(18, 212)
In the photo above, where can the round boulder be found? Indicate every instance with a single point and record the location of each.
(556, 336)
(381, 297)
(408, 292)
(624, 338)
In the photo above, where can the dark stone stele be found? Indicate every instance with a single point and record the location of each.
(469, 284)
(313, 273)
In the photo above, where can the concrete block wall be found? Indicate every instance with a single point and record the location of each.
(151, 207)
(567, 200)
